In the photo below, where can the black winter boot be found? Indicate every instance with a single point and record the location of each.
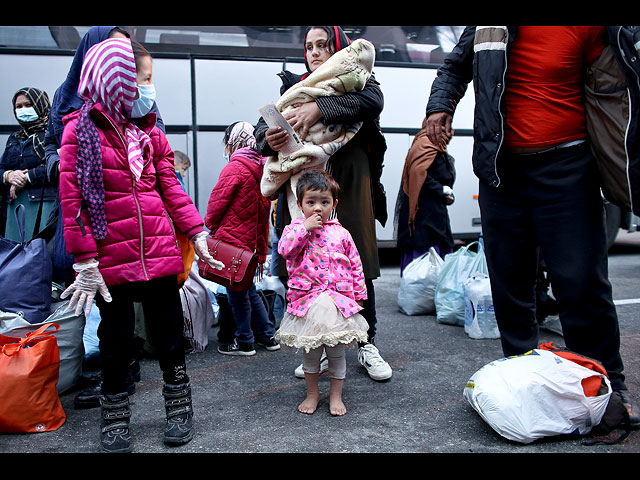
(177, 401)
(115, 436)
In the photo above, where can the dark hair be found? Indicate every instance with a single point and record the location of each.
(227, 132)
(138, 51)
(120, 30)
(317, 181)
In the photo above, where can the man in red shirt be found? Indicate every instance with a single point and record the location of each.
(539, 185)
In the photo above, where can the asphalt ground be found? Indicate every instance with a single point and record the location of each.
(249, 404)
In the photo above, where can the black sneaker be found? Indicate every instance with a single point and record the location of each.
(272, 345)
(236, 349)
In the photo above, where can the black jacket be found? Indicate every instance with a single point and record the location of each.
(487, 67)
(364, 106)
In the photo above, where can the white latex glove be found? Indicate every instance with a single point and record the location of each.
(199, 241)
(88, 281)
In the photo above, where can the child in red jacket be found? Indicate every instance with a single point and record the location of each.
(237, 213)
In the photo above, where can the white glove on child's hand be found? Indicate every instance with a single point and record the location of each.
(199, 241)
(88, 281)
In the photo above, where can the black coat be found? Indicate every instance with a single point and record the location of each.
(431, 226)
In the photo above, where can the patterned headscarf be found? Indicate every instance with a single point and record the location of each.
(108, 77)
(241, 136)
(36, 129)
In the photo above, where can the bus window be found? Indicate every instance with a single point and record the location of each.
(398, 44)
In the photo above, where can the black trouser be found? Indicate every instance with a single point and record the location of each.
(551, 200)
(162, 309)
(369, 310)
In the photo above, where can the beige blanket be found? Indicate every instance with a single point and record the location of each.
(345, 71)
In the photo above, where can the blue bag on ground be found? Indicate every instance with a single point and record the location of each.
(456, 269)
(25, 275)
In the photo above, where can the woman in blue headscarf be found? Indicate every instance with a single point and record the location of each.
(67, 100)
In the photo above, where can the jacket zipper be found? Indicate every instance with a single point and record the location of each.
(626, 132)
(135, 197)
(504, 86)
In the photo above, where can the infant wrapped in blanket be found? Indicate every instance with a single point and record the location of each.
(345, 71)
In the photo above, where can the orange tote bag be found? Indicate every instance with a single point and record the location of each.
(29, 369)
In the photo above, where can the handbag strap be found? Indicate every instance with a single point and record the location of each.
(20, 220)
(13, 348)
(36, 226)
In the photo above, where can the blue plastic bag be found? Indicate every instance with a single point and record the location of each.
(457, 268)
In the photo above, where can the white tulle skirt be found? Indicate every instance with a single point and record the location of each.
(323, 324)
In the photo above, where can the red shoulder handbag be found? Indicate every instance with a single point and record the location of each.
(239, 265)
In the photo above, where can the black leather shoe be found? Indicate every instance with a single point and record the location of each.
(90, 397)
(632, 408)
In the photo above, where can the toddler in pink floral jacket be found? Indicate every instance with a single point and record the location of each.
(326, 288)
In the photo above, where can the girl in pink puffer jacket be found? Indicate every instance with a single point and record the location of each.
(121, 201)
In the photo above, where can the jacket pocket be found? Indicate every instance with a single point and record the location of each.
(344, 286)
(299, 284)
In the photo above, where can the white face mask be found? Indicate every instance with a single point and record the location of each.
(144, 103)
(26, 114)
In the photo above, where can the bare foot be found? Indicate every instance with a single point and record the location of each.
(313, 394)
(336, 407)
(309, 405)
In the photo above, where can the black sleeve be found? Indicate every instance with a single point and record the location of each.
(51, 156)
(453, 76)
(353, 107)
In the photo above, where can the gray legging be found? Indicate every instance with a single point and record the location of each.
(335, 356)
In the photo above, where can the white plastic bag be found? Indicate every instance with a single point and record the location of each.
(449, 296)
(416, 295)
(535, 395)
(479, 319)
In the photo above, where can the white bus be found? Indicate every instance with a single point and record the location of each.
(208, 77)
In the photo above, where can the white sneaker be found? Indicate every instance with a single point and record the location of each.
(324, 366)
(369, 357)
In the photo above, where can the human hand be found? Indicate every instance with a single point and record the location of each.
(305, 116)
(313, 222)
(438, 129)
(276, 138)
(447, 195)
(88, 281)
(12, 192)
(202, 250)
(18, 178)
